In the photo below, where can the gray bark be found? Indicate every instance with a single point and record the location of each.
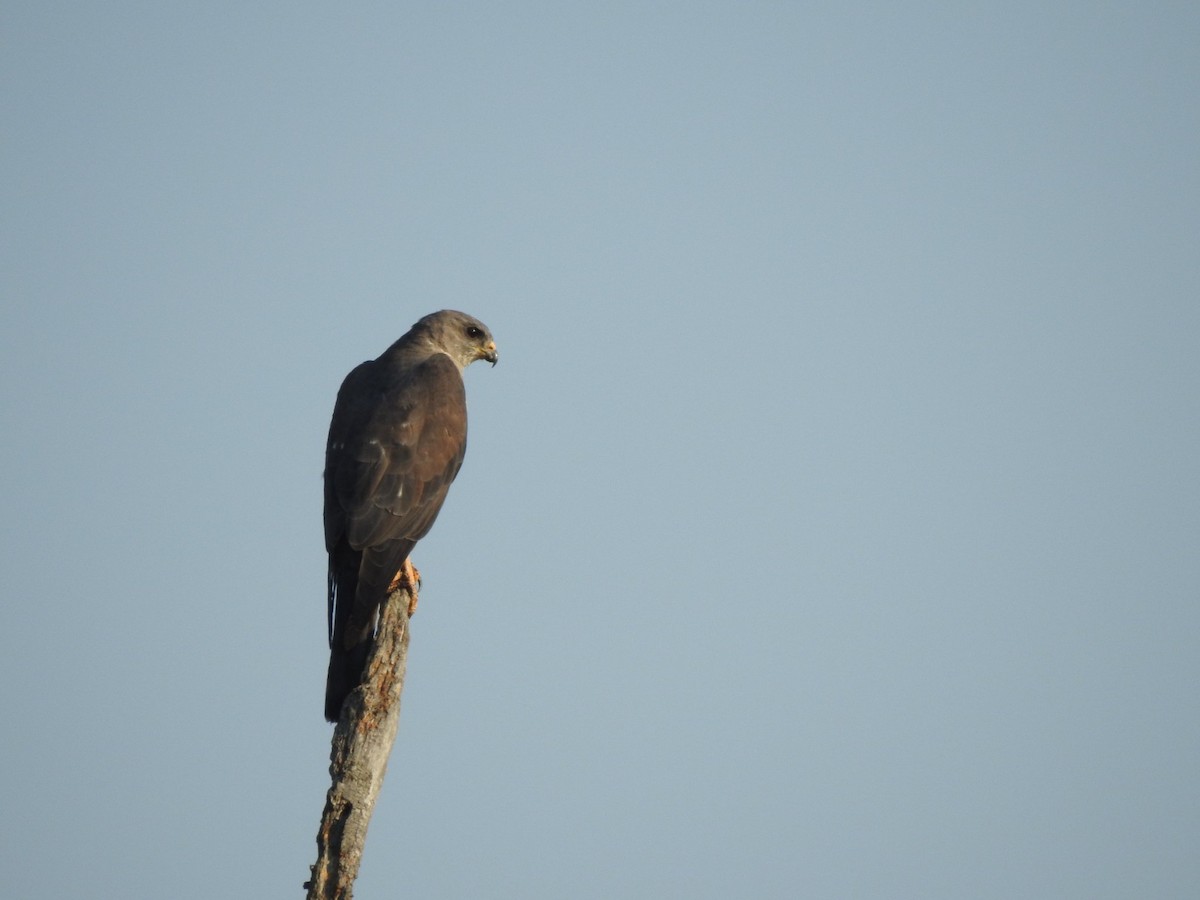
(362, 742)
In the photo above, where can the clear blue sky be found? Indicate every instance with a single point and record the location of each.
(829, 528)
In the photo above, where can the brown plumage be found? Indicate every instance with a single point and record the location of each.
(396, 441)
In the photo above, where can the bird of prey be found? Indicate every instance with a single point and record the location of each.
(396, 441)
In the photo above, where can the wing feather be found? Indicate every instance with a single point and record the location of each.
(396, 442)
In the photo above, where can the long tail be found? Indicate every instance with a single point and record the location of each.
(345, 674)
(358, 584)
(345, 663)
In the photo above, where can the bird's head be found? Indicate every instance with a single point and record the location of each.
(461, 337)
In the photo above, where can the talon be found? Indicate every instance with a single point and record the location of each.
(407, 579)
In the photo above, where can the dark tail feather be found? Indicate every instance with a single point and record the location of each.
(345, 674)
(345, 664)
(358, 584)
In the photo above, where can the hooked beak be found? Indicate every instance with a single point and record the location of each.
(489, 353)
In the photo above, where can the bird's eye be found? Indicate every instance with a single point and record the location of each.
(473, 332)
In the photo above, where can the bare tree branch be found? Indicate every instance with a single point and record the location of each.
(362, 742)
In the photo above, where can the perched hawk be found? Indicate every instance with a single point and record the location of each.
(396, 441)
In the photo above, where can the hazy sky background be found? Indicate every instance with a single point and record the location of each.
(829, 528)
